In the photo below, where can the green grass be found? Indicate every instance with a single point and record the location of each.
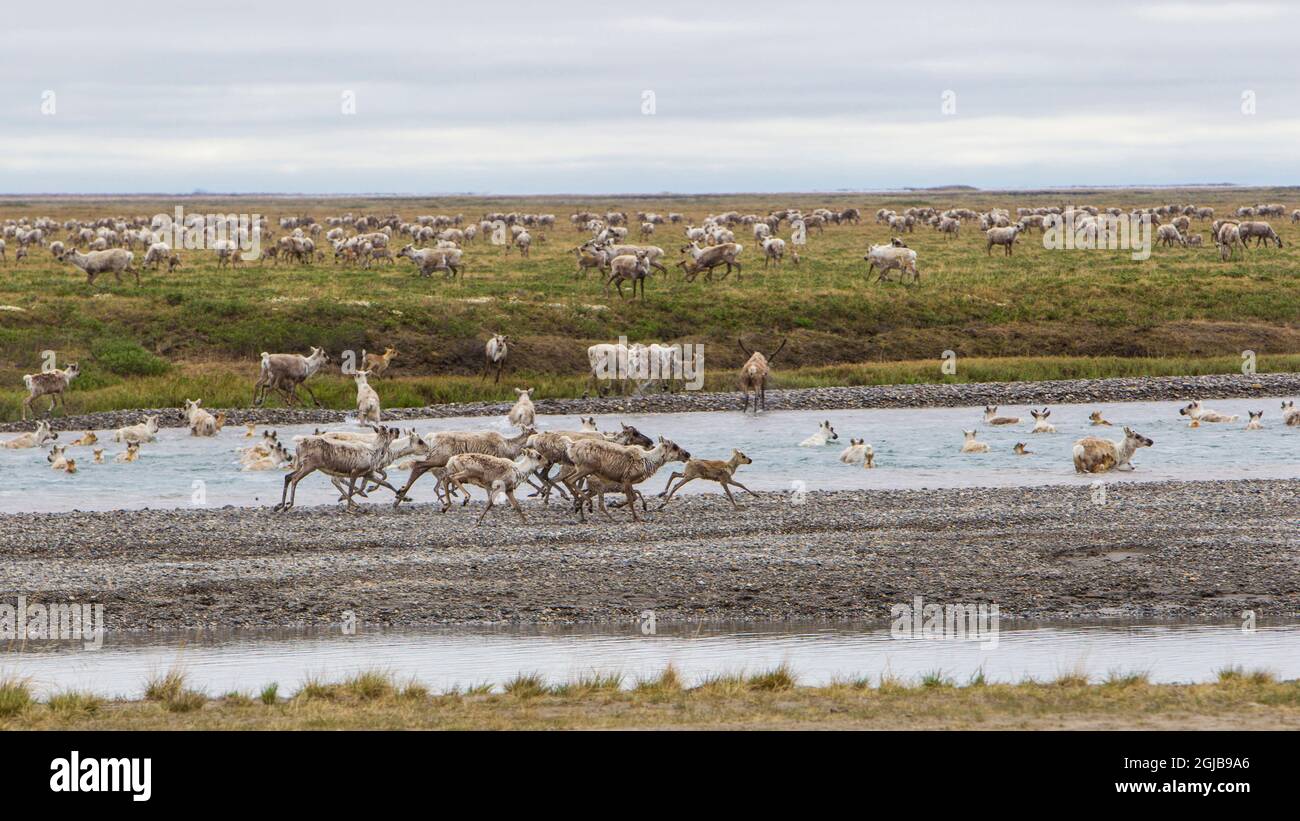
(15, 696)
(667, 682)
(1237, 674)
(725, 685)
(164, 687)
(314, 688)
(72, 704)
(225, 385)
(771, 699)
(415, 691)
(1038, 314)
(525, 685)
(890, 683)
(937, 679)
(123, 357)
(778, 678)
(170, 691)
(1116, 678)
(370, 685)
(590, 683)
(186, 701)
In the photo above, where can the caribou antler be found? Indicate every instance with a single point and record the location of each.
(747, 351)
(778, 350)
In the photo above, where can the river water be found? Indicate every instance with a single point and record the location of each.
(819, 653)
(915, 448)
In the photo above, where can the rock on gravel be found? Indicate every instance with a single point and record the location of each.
(1159, 550)
(1135, 389)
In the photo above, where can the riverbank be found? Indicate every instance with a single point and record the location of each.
(964, 394)
(1161, 550)
(1039, 314)
(770, 700)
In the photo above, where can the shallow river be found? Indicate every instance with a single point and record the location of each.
(915, 448)
(817, 652)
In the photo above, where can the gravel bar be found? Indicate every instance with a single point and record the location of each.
(1130, 389)
(1177, 550)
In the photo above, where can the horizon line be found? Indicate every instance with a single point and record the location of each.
(955, 188)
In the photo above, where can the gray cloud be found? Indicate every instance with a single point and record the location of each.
(517, 97)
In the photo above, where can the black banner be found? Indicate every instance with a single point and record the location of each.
(143, 771)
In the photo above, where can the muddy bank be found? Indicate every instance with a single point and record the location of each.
(1154, 550)
(1125, 389)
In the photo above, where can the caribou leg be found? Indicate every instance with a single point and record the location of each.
(417, 470)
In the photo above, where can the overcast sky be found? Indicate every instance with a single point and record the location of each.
(527, 97)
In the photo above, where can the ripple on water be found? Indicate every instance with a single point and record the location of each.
(915, 448)
(819, 653)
